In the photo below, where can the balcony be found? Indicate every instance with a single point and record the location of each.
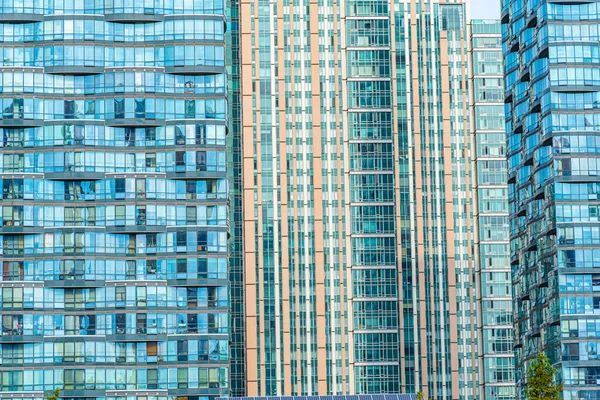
(68, 282)
(140, 336)
(134, 122)
(139, 228)
(515, 46)
(518, 343)
(20, 18)
(197, 70)
(524, 75)
(550, 228)
(535, 105)
(534, 332)
(532, 245)
(77, 70)
(73, 175)
(514, 259)
(194, 175)
(21, 123)
(532, 19)
(543, 281)
(145, 17)
(8, 228)
(538, 192)
(18, 335)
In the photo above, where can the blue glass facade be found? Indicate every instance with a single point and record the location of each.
(371, 239)
(234, 171)
(552, 75)
(114, 199)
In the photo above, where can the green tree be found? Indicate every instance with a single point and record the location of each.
(420, 396)
(540, 380)
(54, 396)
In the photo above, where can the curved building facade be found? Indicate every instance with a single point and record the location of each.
(114, 199)
(552, 80)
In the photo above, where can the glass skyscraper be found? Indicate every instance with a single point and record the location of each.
(236, 222)
(493, 285)
(114, 199)
(359, 268)
(552, 78)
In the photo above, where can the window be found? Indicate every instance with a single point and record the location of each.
(451, 17)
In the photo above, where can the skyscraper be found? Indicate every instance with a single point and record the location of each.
(358, 223)
(552, 76)
(492, 253)
(296, 327)
(236, 221)
(114, 199)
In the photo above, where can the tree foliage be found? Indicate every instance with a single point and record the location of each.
(421, 396)
(54, 396)
(540, 380)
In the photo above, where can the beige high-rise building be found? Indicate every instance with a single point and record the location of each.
(357, 198)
